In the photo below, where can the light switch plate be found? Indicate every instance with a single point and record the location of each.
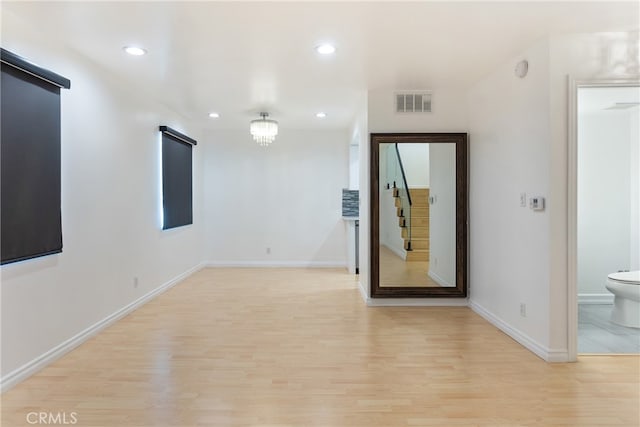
(536, 203)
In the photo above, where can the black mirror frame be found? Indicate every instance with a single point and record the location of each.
(460, 290)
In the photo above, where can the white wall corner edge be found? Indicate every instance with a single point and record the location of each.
(545, 353)
(18, 375)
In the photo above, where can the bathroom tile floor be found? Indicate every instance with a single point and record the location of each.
(597, 334)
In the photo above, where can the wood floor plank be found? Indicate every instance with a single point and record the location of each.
(395, 271)
(297, 347)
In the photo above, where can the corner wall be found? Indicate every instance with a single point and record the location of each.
(110, 214)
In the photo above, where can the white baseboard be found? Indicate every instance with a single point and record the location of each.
(30, 368)
(558, 356)
(401, 252)
(546, 354)
(439, 280)
(595, 298)
(278, 264)
(363, 292)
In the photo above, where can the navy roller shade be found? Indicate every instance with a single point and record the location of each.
(30, 172)
(177, 178)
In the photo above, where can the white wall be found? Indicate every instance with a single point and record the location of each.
(286, 197)
(415, 161)
(110, 210)
(449, 115)
(449, 112)
(359, 128)
(390, 231)
(415, 164)
(604, 202)
(354, 159)
(509, 154)
(442, 214)
(354, 166)
(634, 189)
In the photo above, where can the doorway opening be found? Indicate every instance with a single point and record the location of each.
(604, 217)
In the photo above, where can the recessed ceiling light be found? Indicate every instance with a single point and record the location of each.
(321, 115)
(134, 50)
(214, 115)
(325, 49)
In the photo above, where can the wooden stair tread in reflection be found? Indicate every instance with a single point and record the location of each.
(418, 246)
(416, 222)
(418, 255)
(419, 232)
(416, 243)
(420, 197)
(416, 212)
(417, 203)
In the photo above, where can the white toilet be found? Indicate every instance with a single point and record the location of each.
(625, 286)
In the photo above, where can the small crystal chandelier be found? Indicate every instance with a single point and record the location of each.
(264, 130)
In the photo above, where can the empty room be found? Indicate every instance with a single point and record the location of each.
(320, 213)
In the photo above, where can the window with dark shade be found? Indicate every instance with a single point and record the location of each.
(177, 178)
(30, 205)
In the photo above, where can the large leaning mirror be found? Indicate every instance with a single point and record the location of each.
(418, 215)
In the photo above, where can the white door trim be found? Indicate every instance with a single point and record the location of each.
(572, 202)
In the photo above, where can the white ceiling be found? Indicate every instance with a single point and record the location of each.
(239, 58)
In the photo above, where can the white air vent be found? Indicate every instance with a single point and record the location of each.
(413, 102)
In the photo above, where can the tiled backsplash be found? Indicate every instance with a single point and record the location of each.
(350, 202)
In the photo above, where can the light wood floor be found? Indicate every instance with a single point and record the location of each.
(394, 271)
(279, 347)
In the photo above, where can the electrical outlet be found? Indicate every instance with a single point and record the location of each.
(523, 309)
(268, 251)
(135, 282)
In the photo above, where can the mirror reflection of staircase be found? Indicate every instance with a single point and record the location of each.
(410, 270)
(415, 233)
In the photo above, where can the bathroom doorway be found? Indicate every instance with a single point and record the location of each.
(606, 205)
